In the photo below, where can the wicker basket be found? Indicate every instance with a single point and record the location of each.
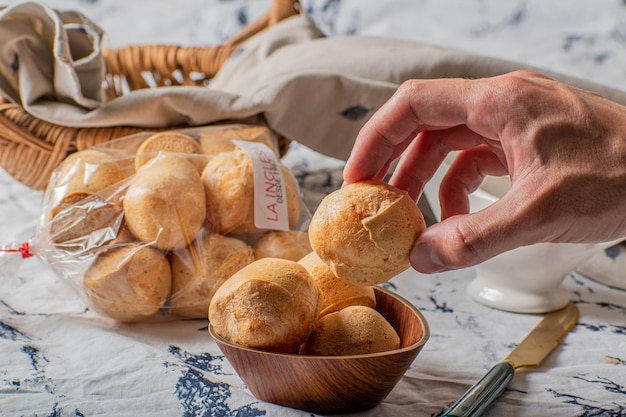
(30, 149)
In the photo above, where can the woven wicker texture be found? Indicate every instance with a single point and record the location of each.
(30, 148)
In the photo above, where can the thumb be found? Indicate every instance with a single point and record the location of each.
(468, 239)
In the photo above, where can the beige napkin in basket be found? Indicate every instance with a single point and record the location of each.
(316, 90)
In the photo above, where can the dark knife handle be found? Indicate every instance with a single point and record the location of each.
(484, 392)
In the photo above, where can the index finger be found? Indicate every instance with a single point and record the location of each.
(416, 106)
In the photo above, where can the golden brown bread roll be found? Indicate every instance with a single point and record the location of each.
(228, 180)
(271, 304)
(128, 283)
(68, 200)
(200, 269)
(172, 142)
(165, 203)
(292, 245)
(82, 173)
(365, 231)
(354, 330)
(85, 222)
(219, 138)
(338, 292)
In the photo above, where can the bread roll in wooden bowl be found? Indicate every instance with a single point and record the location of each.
(338, 292)
(353, 330)
(271, 304)
(332, 384)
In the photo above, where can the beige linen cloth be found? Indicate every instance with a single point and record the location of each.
(315, 90)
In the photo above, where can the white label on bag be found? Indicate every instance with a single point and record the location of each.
(270, 199)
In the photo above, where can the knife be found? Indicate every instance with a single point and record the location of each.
(535, 347)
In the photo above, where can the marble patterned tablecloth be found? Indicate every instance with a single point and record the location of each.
(59, 359)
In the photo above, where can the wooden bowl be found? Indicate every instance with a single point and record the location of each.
(332, 384)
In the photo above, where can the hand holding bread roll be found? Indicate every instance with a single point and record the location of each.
(365, 231)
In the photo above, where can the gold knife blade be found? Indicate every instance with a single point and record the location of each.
(544, 337)
(531, 351)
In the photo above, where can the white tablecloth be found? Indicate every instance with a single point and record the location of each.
(59, 359)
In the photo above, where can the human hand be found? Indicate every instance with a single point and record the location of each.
(564, 149)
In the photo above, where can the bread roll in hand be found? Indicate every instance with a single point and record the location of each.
(365, 231)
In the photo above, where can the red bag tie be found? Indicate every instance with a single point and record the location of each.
(24, 250)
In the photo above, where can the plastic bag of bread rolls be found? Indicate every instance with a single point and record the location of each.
(149, 226)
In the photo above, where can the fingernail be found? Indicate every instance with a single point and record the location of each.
(425, 260)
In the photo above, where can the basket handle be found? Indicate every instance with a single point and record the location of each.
(142, 66)
(280, 10)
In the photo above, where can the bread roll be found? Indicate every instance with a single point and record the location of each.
(82, 173)
(200, 269)
(69, 200)
(337, 292)
(172, 142)
(292, 245)
(128, 283)
(217, 139)
(165, 203)
(354, 330)
(365, 231)
(271, 304)
(228, 180)
(85, 222)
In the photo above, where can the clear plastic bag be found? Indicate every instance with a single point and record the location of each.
(150, 225)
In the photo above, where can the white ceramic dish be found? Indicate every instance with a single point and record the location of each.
(528, 279)
(607, 267)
